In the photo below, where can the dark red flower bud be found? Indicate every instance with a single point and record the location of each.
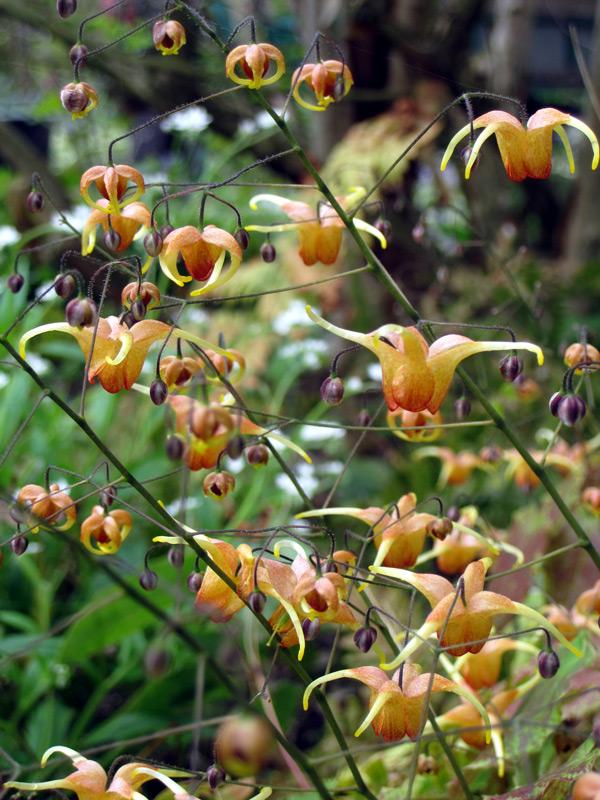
(242, 237)
(112, 240)
(194, 581)
(128, 319)
(81, 311)
(15, 282)
(215, 775)
(384, 226)
(332, 391)
(174, 448)
(35, 202)
(364, 639)
(465, 155)
(158, 392)
(329, 566)
(19, 544)
(176, 555)
(268, 252)
(149, 580)
(571, 409)
(462, 408)
(166, 229)
(440, 528)
(338, 90)
(107, 497)
(138, 310)
(548, 663)
(235, 447)
(257, 455)
(364, 419)
(257, 601)
(64, 286)
(453, 513)
(66, 8)
(554, 403)
(78, 55)
(311, 628)
(153, 243)
(511, 367)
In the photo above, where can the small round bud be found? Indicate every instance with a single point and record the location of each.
(149, 580)
(242, 237)
(268, 252)
(215, 775)
(158, 392)
(364, 419)
(156, 662)
(364, 638)
(427, 765)
(138, 310)
(571, 409)
(153, 243)
(128, 319)
(15, 282)
(453, 513)
(112, 240)
(235, 446)
(194, 581)
(329, 566)
(78, 55)
(19, 544)
(462, 408)
(440, 528)
(78, 98)
(511, 367)
(176, 555)
(311, 628)
(465, 155)
(106, 497)
(175, 448)
(166, 229)
(35, 202)
(257, 601)
(338, 90)
(332, 391)
(81, 311)
(548, 663)
(64, 286)
(418, 232)
(257, 455)
(384, 226)
(554, 403)
(66, 8)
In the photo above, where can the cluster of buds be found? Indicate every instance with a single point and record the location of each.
(568, 408)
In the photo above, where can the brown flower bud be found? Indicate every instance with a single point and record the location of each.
(78, 55)
(35, 202)
(243, 744)
(257, 455)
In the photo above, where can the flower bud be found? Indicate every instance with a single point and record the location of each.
(166, 229)
(175, 448)
(112, 240)
(571, 409)
(465, 155)
(268, 252)
(176, 555)
(156, 662)
(81, 311)
(215, 776)
(149, 580)
(106, 497)
(440, 528)
(146, 292)
(332, 391)
(453, 513)
(338, 90)
(78, 99)
(138, 310)
(257, 601)
(235, 446)
(66, 8)
(194, 581)
(64, 286)
(169, 36)
(242, 237)
(153, 243)
(554, 403)
(243, 744)
(218, 485)
(329, 566)
(78, 55)
(257, 455)
(18, 544)
(311, 628)
(364, 639)
(15, 282)
(548, 663)
(384, 226)
(35, 202)
(511, 367)
(158, 392)
(462, 408)
(364, 419)
(427, 765)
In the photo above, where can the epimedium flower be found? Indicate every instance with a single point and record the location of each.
(177, 372)
(131, 223)
(90, 781)
(254, 60)
(118, 352)
(416, 375)
(457, 468)
(108, 530)
(78, 99)
(525, 151)
(323, 78)
(465, 613)
(52, 505)
(430, 425)
(397, 704)
(203, 253)
(399, 533)
(112, 183)
(320, 231)
(168, 36)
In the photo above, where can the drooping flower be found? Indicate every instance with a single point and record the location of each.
(319, 232)
(168, 36)
(131, 223)
(430, 425)
(90, 781)
(108, 530)
(397, 704)
(78, 99)
(52, 505)
(482, 669)
(111, 183)
(203, 253)
(416, 375)
(323, 78)
(525, 151)
(119, 352)
(177, 372)
(457, 468)
(254, 59)
(465, 613)
(399, 532)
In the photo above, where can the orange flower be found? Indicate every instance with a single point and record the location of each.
(416, 375)
(322, 78)
(397, 704)
(108, 530)
(79, 99)
(429, 423)
(399, 533)
(482, 669)
(111, 182)
(168, 36)
(119, 352)
(52, 505)
(457, 468)
(319, 232)
(203, 253)
(462, 546)
(254, 60)
(525, 152)
(465, 613)
(131, 223)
